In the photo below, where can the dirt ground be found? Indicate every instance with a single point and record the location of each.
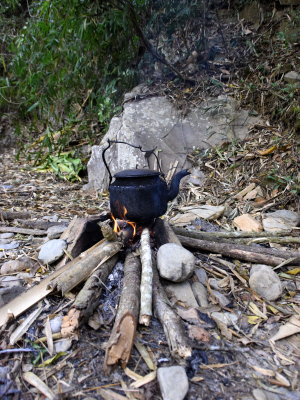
(236, 362)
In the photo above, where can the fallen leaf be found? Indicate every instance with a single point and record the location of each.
(264, 371)
(198, 333)
(294, 271)
(288, 329)
(268, 151)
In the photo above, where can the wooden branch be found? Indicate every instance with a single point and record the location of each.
(121, 340)
(10, 215)
(226, 235)
(27, 299)
(163, 233)
(146, 279)
(86, 300)
(230, 250)
(85, 265)
(171, 322)
(37, 224)
(261, 250)
(23, 231)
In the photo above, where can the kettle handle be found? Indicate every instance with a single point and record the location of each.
(147, 154)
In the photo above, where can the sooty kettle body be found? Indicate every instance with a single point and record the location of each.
(141, 195)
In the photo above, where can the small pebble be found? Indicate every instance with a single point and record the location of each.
(173, 382)
(62, 345)
(54, 232)
(265, 282)
(52, 250)
(8, 246)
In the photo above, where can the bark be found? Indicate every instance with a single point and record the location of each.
(163, 233)
(86, 300)
(172, 324)
(146, 278)
(121, 340)
(231, 250)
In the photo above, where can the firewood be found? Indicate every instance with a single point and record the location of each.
(85, 265)
(255, 249)
(232, 250)
(164, 233)
(171, 322)
(225, 235)
(78, 236)
(27, 299)
(23, 231)
(119, 345)
(86, 300)
(11, 215)
(146, 278)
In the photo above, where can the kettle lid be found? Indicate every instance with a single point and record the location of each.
(137, 173)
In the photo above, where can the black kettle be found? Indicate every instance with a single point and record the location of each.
(141, 195)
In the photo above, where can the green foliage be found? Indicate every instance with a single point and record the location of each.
(67, 50)
(65, 166)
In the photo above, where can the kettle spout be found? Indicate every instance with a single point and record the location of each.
(174, 185)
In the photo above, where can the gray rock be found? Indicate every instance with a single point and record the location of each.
(201, 275)
(173, 382)
(225, 317)
(50, 218)
(12, 266)
(265, 282)
(280, 220)
(7, 245)
(55, 323)
(10, 281)
(155, 122)
(62, 345)
(221, 298)
(54, 232)
(174, 262)
(52, 250)
(6, 235)
(200, 294)
(292, 76)
(182, 292)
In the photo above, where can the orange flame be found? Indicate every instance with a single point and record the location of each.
(116, 222)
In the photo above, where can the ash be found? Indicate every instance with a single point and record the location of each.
(112, 292)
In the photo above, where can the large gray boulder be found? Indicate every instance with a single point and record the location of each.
(154, 122)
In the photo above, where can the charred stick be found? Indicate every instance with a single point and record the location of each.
(121, 340)
(231, 250)
(171, 322)
(146, 278)
(86, 300)
(107, 231)
(164, 233)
